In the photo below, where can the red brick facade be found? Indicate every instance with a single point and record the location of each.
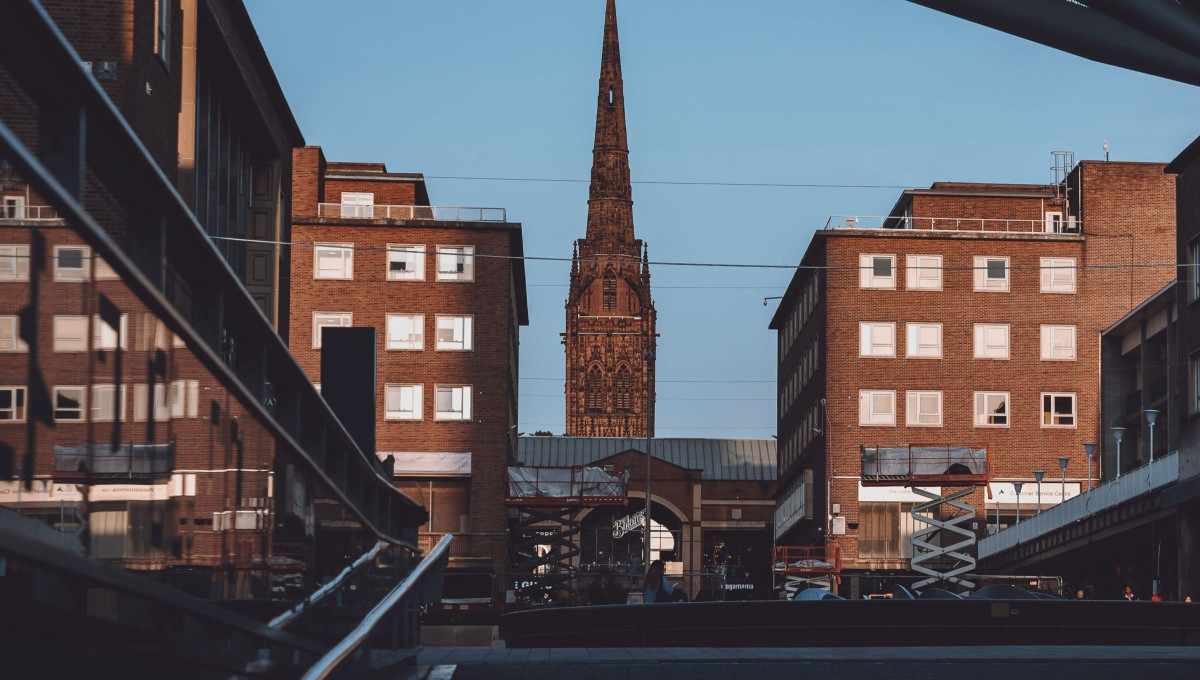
(610, 330)
(470, 505)
(1119, 216)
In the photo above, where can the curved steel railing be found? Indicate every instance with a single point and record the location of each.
(324, 591)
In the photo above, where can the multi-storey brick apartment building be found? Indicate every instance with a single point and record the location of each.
(143, 449)
(971, 316)
(445, 287)
(610, 333)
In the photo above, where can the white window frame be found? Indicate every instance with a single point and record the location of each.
(18, 411)
(463, 394)
(72, 273)
(923, 272)
(915, 400)
(1054, 222)
(177, 398)
(462, 325)
(344, 320)
(468, 265)
(981, 337)
(982, 414)
(986, 284)
(913, 349)
(12, 207)
(869, 344)
(1052, 337)
(414, 341)
(104, 271)
(66, 339)
(868, 416)
(869, 279)
(358, 204)
(343, 252)
(10, 334)
(100, 393)
(395, 395)
(413, 254)
(14, 262)
(142, 403)
(1058, 274)
(1049, 415)
(83, 403)
(104, 337)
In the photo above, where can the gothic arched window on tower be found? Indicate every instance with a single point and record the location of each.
(593, 390)
(610, 290)
(624, 390)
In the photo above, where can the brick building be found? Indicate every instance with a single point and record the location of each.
(971, 316)
(610, 332)
(445, 287)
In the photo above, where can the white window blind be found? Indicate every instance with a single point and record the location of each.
(403, 402)
(456, 263)
(924, 409)
(924, 340)
(330, 320)
(991, 341)
(405, 262)
(333, 261)
(453, 402)
(10, 335)
(70, 333)
(877, 271)
(877, 339)
(1058, 275)
(924, 272)
(406, 331)
(991, 273)
(455, 332)
(876, 407)
(1058, 343)
(14, 263)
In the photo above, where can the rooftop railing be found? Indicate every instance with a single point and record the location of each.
(956, 224)
(441, 213)
(30, 213)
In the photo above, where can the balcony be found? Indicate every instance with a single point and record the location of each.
(28, 213)
(954, 224)
(439, 213)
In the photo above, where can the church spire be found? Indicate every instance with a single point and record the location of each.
(610, 201)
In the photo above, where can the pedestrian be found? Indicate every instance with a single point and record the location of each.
(1188, 598)
(657, 588)
(1080, 595)
(1128, 595)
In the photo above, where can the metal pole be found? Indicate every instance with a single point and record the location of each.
(1017, 486)
(1037, 474)
(1062, 464)
(649, 456)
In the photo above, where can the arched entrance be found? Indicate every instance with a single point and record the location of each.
(611, 538)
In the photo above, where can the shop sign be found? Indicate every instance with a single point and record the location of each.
(893, 494)
(1052, 493)
(739, 586)
(628, 523)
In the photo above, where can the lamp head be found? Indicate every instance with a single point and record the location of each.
(1062, 462)
(1038, 474)
(1017, 486)
(1118, 434)
(1089, 448)
(1151, 415)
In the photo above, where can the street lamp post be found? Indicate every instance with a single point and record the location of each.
(1090, 449)
(646, 534)
(1017, 486)
(1062, 465)
(1151, 417)
(1037, 475)
(1118, 435)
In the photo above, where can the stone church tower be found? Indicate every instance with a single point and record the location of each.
(610, 316)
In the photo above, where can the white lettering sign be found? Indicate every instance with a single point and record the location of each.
(628, 523)
(1052, 493)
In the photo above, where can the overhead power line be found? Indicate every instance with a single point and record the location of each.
(680, 183)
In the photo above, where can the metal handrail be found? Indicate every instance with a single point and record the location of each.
(325, 590)
(444, 213)
(1067, 225)
(335, 656)
(30, 213)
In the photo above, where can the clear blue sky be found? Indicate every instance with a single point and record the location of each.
(835, 91)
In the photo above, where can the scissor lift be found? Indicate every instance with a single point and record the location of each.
(797, 568)
(548, 497)
(958, 471)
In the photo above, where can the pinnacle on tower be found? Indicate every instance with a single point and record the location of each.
(610, 202)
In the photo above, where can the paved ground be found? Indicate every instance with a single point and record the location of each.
(977, 663)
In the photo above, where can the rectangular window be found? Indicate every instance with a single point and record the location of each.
(328, 320)
(10, 335)
(991, 274)
(1194, 381)
(70, 333)
(403, 402)
(877, 339)
(453, 402)
(455, 332)
(12, 208)
(105, 405)
(1058, 275)
(177, 398)
(924, 272)
(69, 403)
(333, 261)
(104, 272)
(71, 263)
(14, 263)
(924, 409)
(1058, 343)
(105, 336)
(1058, 410)
(193, 399)
(924, 340)
(991, 341)
(1053, 223)
(162, 33)
(991, 409)
(877, 271)
(406, 331)
(141, 402)
(405, 263)
(358, 204)
(456, 263)
(12, 404)
(876, 407)
(1193, 253)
